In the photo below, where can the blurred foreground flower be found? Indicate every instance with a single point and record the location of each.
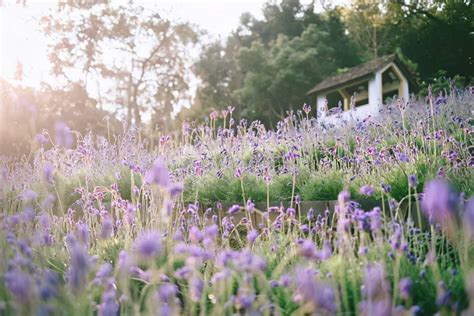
(63, 135)
(440, 202)
(469, 217)
(376, 292)
(317, 297)
(148, 245)
(367, 190)
(158, 174)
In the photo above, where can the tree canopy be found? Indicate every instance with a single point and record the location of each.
(266, 66)
(129, 57)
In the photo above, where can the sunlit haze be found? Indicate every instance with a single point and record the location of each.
(21, 39)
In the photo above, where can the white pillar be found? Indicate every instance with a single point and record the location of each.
(321, 105)
(405, 92)
(375, 91)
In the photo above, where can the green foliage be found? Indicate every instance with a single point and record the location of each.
(397, 179)
(289, 65)
(226, 189)
(322, 187)
(436, 35)
(442, 84)
(281, 187)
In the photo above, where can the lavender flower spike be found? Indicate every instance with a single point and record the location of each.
(439, 201)
(158, 174)
(148, 245)
(367, 190)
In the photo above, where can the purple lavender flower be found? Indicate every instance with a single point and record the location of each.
(63, 135)
(136, 272)
(109, 305)
(82, 233)
(250, 205)
(392, 204)
(106, 228)
(167, 293)
(238, 173)
(250, 263)
(405, 286)
(291, 212)
(19, 284)
(343, 197)
(325, 253)
(221, 275)
(443, 295)
(41, 139)
(129, 217)
(441, 173)
(304, 228)
(307, 249)
(439, 201)
(195, 235)
(403, 157)
(321, 297)
(297, 200)
(78, 266)
(367, 190)
(48, 173)
(48, 201)
(29, 195)
(104, 272)
(375, 219)
(175, 189)
(196, 285)
(234, 209)
(158, 174)
(376, 292)
(148, 245)
(178, 235)
(284, 280)
(387, 188)
(469, 217)
(244, 301)
(252, 236)
(363, 250)
(49, 284)
(412, 181)
(211, 232)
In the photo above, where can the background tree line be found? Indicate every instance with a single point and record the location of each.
(129, 64)
(266, 66)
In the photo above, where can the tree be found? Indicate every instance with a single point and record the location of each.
(266, 66)
(277, 80)
(128, 57)
(218, 70)
(437, 35)
(365, 20)
(284, 18)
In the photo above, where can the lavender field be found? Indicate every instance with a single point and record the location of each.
(169, 224)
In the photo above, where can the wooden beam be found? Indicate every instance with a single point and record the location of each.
(346, 98)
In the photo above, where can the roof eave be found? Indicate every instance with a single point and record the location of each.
(338, 86)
